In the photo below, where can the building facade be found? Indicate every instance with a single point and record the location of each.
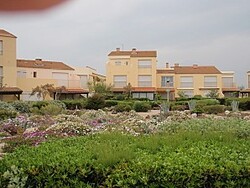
(8, 77)
(139, 68)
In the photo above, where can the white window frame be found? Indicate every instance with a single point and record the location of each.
(145, 63)
(186, 82)
(210, 81)
(164, 80)
(120, 81)
(145, 80)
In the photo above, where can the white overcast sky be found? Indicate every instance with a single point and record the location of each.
(83, 32)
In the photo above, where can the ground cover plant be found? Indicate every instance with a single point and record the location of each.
(130, 151)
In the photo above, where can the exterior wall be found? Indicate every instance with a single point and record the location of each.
(129, 67)
(198, 84)
(8, 61)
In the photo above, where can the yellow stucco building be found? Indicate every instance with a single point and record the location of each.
(139, 68)
(8, 78)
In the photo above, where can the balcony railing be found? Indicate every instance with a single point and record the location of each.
(72, 83)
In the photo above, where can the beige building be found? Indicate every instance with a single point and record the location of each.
(8, 79)
(139, 69)
(32, 73)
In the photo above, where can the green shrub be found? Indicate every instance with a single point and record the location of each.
(50, 109)
(179, 107)
(123, 107)
(244, 103)
(214, 109)
(39, 104)
(6, 105)
(97, 101)
(21, 106)
(75, 104)
(7, 113)
(120, 97)
(58, 103)
(109, 103)
(206, 102)
(141, 106)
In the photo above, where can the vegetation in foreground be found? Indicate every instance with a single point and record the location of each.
(193, 153)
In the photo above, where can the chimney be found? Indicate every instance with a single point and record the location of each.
(118, 49)
(195, 66)
(134, 51)
(176, 65)
(167, 65)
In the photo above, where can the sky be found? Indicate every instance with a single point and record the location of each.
(83, 32)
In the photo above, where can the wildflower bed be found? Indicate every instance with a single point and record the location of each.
(98, 149)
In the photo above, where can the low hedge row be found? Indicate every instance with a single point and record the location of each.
(116, 160)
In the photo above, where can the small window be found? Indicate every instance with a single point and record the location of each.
(126, 63)
(34, 74)
(118, 63)
(1, 47)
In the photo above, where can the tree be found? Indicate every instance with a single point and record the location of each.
(127, 90)
(43, 91)
(99, 87)
(213, 93)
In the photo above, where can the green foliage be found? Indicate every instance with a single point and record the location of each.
(213, 94)
(193, 158)
(244, 103)
(178, 107)
(48, 107)
(123, 107)
(6, 105)
(109, 103)
(39, 104)
(206, 102)
(140, 106)
(182, 95)
(214, 109)
(74, 104)
(191, 104)
(97, 101)
(7, 113)
(43, 91)
(21, 106)
(120, 97)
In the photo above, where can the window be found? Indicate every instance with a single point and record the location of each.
(227, 82)
(167, 81)
(186, 82)
(144, 64)
(83, 81)
(138, 95)
(144, 80)
(118, 63)
(21, 74)
(120, 81)
(34, 74)
(1, 47)
(210, 81)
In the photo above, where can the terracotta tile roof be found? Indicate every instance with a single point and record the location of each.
(196, 70)
(164, 71)
(230, 89)
(134, 53)
(74, 91)
(6, 34)
(10, 90)
(40, 64)
(143, 89)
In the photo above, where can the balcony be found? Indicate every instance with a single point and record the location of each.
(72, 84)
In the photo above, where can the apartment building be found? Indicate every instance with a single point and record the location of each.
(134, 68)
(139, 69)
(32, 73)
(8, 79)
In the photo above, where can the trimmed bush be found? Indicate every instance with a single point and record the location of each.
(179, 107)
(141, 106)
(214, 109)
(7, 113)
(109, 103)
(95, 102)
(39, 104)
(206, 102)
(74, 104)
(123, 107)
(21, 106)
(244, 103)
(6, 105)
